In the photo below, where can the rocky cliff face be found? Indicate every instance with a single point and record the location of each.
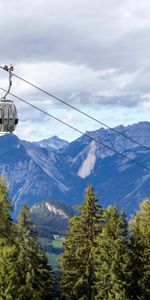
(38, 171)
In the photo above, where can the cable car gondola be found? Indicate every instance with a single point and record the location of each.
(8, 111)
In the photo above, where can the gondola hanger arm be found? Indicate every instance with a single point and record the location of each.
(9, 69)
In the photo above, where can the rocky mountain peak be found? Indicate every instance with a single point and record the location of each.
(53, 143)
(34, 172)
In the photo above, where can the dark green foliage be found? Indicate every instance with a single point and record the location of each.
(102, 258)
(9, 279)
(140, 243)
(112, 256)
(5, 210)
(35, 274)
(77, 262)
(24, 270)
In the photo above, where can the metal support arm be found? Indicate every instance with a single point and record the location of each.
(9, 70)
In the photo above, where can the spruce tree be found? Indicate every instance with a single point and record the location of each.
(24, 270)
(36, 278)
(9, 280)
(77, 261)
(5, 211)
(140, 243)
(112, 258)
(9, 276)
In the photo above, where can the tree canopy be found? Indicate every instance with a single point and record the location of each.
(105, 256)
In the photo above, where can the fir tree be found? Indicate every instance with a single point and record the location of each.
(112, 258)
(77, 261)
(36, 278)
(140, 243)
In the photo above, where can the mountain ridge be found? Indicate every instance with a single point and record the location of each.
(35, 173)
(51, 217)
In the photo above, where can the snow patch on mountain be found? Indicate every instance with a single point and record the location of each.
(89, 163)
(56, 211)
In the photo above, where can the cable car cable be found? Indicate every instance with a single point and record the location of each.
(79, 131)
(81, 112)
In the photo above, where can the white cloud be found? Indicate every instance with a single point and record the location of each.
(92, 53)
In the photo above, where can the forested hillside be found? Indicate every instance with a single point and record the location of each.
(51, 216)
(105, 255)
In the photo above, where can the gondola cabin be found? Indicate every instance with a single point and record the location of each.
(8, 116)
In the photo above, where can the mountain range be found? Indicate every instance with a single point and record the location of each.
(57, 170)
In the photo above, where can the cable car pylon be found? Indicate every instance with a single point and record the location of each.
(8, 111)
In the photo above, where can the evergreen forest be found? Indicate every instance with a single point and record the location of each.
(106, 255)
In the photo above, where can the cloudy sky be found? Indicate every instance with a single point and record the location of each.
(95, 54)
